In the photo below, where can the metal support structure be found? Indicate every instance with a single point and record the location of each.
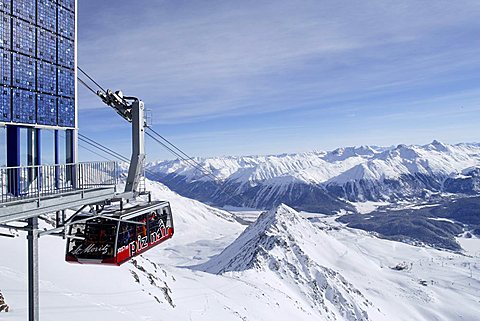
(33, 282)
(33, 152)
(137, 161)
(56, 156)
(70, 157)
(132, 110)
(13, 159)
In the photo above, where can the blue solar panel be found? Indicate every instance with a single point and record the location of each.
(25, 9)
(69, 4)
(6, 6)
(5, 104)
(46, 46)
(47, 109)
(5, 31)
(47, 15)
(23, 37)
(66, 23)
(23, 72)
(66, 82)
(23, 107)
(5, 67)
(66, 112)
(46, 77)
(66, 53)
(37, 62)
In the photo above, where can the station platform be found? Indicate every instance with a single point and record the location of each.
(31, 191)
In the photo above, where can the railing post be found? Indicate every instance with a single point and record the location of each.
(52, 179)
(38, 184)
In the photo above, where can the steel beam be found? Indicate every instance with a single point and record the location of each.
(31, 208)
(13, 159)
(33, 283)
(137, 162)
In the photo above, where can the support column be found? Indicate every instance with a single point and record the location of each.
(13, 159)
(33, 154)
(56, 147)
(137, 161)
(33, 282)
(71, 157)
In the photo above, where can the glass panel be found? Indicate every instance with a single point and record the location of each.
(126, 234)
(99, 239)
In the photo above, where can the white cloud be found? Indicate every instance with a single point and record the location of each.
(195, 60)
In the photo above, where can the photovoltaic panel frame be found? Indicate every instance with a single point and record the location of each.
(37, 62)
(25, 9)
(65, 116)
(24, 75)
(46, 77)
(5, 67)
(5, 104)
(5, 31)
(6, 6)
(47, 109)
(24, 107)
(23, 37)
(47, 15)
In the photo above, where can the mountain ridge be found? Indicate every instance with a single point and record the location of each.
(325, 181)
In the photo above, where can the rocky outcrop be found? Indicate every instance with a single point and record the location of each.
(3, 305)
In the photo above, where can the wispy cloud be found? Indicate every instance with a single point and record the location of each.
(193, 61)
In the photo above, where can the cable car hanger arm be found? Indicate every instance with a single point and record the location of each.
(132, 110)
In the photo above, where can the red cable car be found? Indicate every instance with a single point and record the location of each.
(114, 238)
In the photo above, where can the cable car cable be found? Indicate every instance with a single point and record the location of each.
(115, 155)
(83, 72)
(171, 144)
(118, 155)
(103, 150)
(185, 158)
(93, 152)
(201, 169)
(85, 84)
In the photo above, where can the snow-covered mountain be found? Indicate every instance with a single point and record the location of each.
(282, 267)
(324, 181)
(282, 247)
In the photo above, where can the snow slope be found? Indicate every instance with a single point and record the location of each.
(281, 248)
(282, 267)
(347, 275)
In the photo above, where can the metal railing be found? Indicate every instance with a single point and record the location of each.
(37, 182)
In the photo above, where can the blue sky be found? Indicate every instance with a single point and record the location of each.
(260, 77)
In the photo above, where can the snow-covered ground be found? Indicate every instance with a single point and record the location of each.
(282, 267)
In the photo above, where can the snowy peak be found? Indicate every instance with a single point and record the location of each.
(271, 229)
(281, 217)
(341, 154)
(438, 146)
(281, 245)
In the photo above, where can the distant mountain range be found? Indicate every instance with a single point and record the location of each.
(328, 181)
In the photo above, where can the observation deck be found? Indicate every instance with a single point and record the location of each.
(29, 191)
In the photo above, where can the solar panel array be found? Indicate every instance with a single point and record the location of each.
(37, 62)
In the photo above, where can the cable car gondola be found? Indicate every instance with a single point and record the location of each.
(114, 238)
